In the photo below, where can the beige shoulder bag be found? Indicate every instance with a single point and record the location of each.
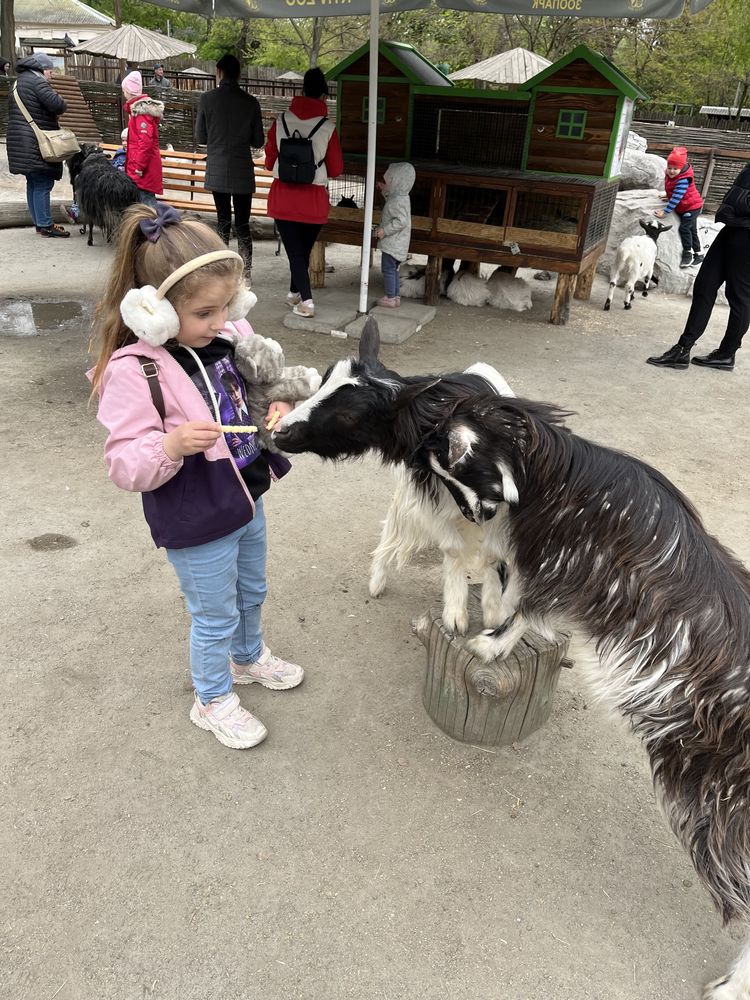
(54, 146)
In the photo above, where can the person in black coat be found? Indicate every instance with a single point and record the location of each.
(229, 124)
(45, 106)
(727, 260)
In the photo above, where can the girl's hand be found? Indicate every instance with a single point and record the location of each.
(190, 438)
(276, 407)
(380, 232)
(659, 214)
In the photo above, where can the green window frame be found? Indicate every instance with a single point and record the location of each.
(571, 123)
(380, 110)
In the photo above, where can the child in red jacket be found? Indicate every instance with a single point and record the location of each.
(683, 197)
(143, 161)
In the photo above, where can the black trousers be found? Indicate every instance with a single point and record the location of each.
(298, 239)
(689, 231)
(727, 260)
(242, 204)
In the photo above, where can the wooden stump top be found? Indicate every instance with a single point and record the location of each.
(488, 704)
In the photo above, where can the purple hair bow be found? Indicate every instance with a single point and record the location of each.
(165, 216)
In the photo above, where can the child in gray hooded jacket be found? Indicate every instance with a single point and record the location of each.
(394, 232)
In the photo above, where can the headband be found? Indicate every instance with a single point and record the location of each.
(153, 319)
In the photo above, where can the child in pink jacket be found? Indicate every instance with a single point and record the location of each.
(165, 354)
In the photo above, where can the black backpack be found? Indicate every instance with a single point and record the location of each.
(296, 158)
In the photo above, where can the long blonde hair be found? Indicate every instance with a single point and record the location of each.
(139, 262)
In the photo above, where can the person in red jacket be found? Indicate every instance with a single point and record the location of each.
(301, 210)
(143, 160)
(683, 197)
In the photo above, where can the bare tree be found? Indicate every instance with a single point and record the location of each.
(8, 30)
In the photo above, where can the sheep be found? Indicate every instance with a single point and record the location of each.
(634, 261)
(507, 291)
(413, 279)
(416, 521)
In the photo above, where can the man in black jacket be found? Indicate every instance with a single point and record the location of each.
(229, 124)
(727, 260)
(44, 106)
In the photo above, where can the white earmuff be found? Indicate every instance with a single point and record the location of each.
(151, 318)
(241, 304)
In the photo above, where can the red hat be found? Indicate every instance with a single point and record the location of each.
(678, 157)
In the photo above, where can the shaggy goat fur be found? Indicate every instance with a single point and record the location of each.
(505, 290)
(412, 279)
(468, 289)
(634, 261)
(602, 545)
(101, 191)
(417, 520)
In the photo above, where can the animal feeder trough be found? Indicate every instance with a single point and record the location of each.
(523, 178)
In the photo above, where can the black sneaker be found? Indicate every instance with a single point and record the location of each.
(721, 362)
(53, 231)
(687, 258)
(698, 258)
(675, 357)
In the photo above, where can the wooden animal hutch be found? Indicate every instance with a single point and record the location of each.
(524, 177)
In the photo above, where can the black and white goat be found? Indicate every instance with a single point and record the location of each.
(102, 192)
(634, 261)
(418, 518)
(600, 545)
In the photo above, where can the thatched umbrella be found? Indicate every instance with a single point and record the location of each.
(134, 44)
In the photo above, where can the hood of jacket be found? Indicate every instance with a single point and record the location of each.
(29, 64)
(308, 107)
(399, 178)
(145, 105)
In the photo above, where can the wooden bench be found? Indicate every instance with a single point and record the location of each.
(184, 176)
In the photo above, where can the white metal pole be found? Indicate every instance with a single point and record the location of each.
(372, 138)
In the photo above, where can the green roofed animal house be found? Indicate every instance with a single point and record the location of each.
(523, 178)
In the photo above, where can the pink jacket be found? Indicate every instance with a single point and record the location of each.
(209, 499)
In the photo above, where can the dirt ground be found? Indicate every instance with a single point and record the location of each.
(359, 852)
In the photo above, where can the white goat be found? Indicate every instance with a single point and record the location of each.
(468, 289)
(414, 522)
(634, 261)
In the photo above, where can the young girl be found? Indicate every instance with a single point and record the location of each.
(164, 333)
(394, 232)
(143, 159)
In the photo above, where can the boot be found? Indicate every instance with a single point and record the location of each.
(675, 357)
(722, 362)
(245, 247)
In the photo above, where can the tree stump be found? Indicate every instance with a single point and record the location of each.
(487, 704)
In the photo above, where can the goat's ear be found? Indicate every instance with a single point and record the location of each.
(643, 224)
(409, 392)
(663, 229)
(369, 342)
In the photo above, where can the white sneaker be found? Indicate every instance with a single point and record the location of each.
(230, 723)
(306, 308)
(269, 670)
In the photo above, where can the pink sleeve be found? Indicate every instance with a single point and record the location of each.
(134, 450)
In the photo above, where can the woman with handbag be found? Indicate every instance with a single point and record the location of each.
(43, 106)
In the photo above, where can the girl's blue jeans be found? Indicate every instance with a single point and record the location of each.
(39, 185)
(391, 282)
(224, 583)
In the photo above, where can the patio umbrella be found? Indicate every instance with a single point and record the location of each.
(665, 9)
(134, 44)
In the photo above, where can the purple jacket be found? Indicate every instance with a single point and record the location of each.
(189, 502)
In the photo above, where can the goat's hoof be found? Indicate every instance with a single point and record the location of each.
(606, 307)
(456, 624)
(628, 305)
(644, 294)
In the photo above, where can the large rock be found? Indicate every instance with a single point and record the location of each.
(639, 168)
(642, 171)
(630, 207)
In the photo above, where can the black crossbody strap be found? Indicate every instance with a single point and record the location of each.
(283, 122)
(150, 371)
